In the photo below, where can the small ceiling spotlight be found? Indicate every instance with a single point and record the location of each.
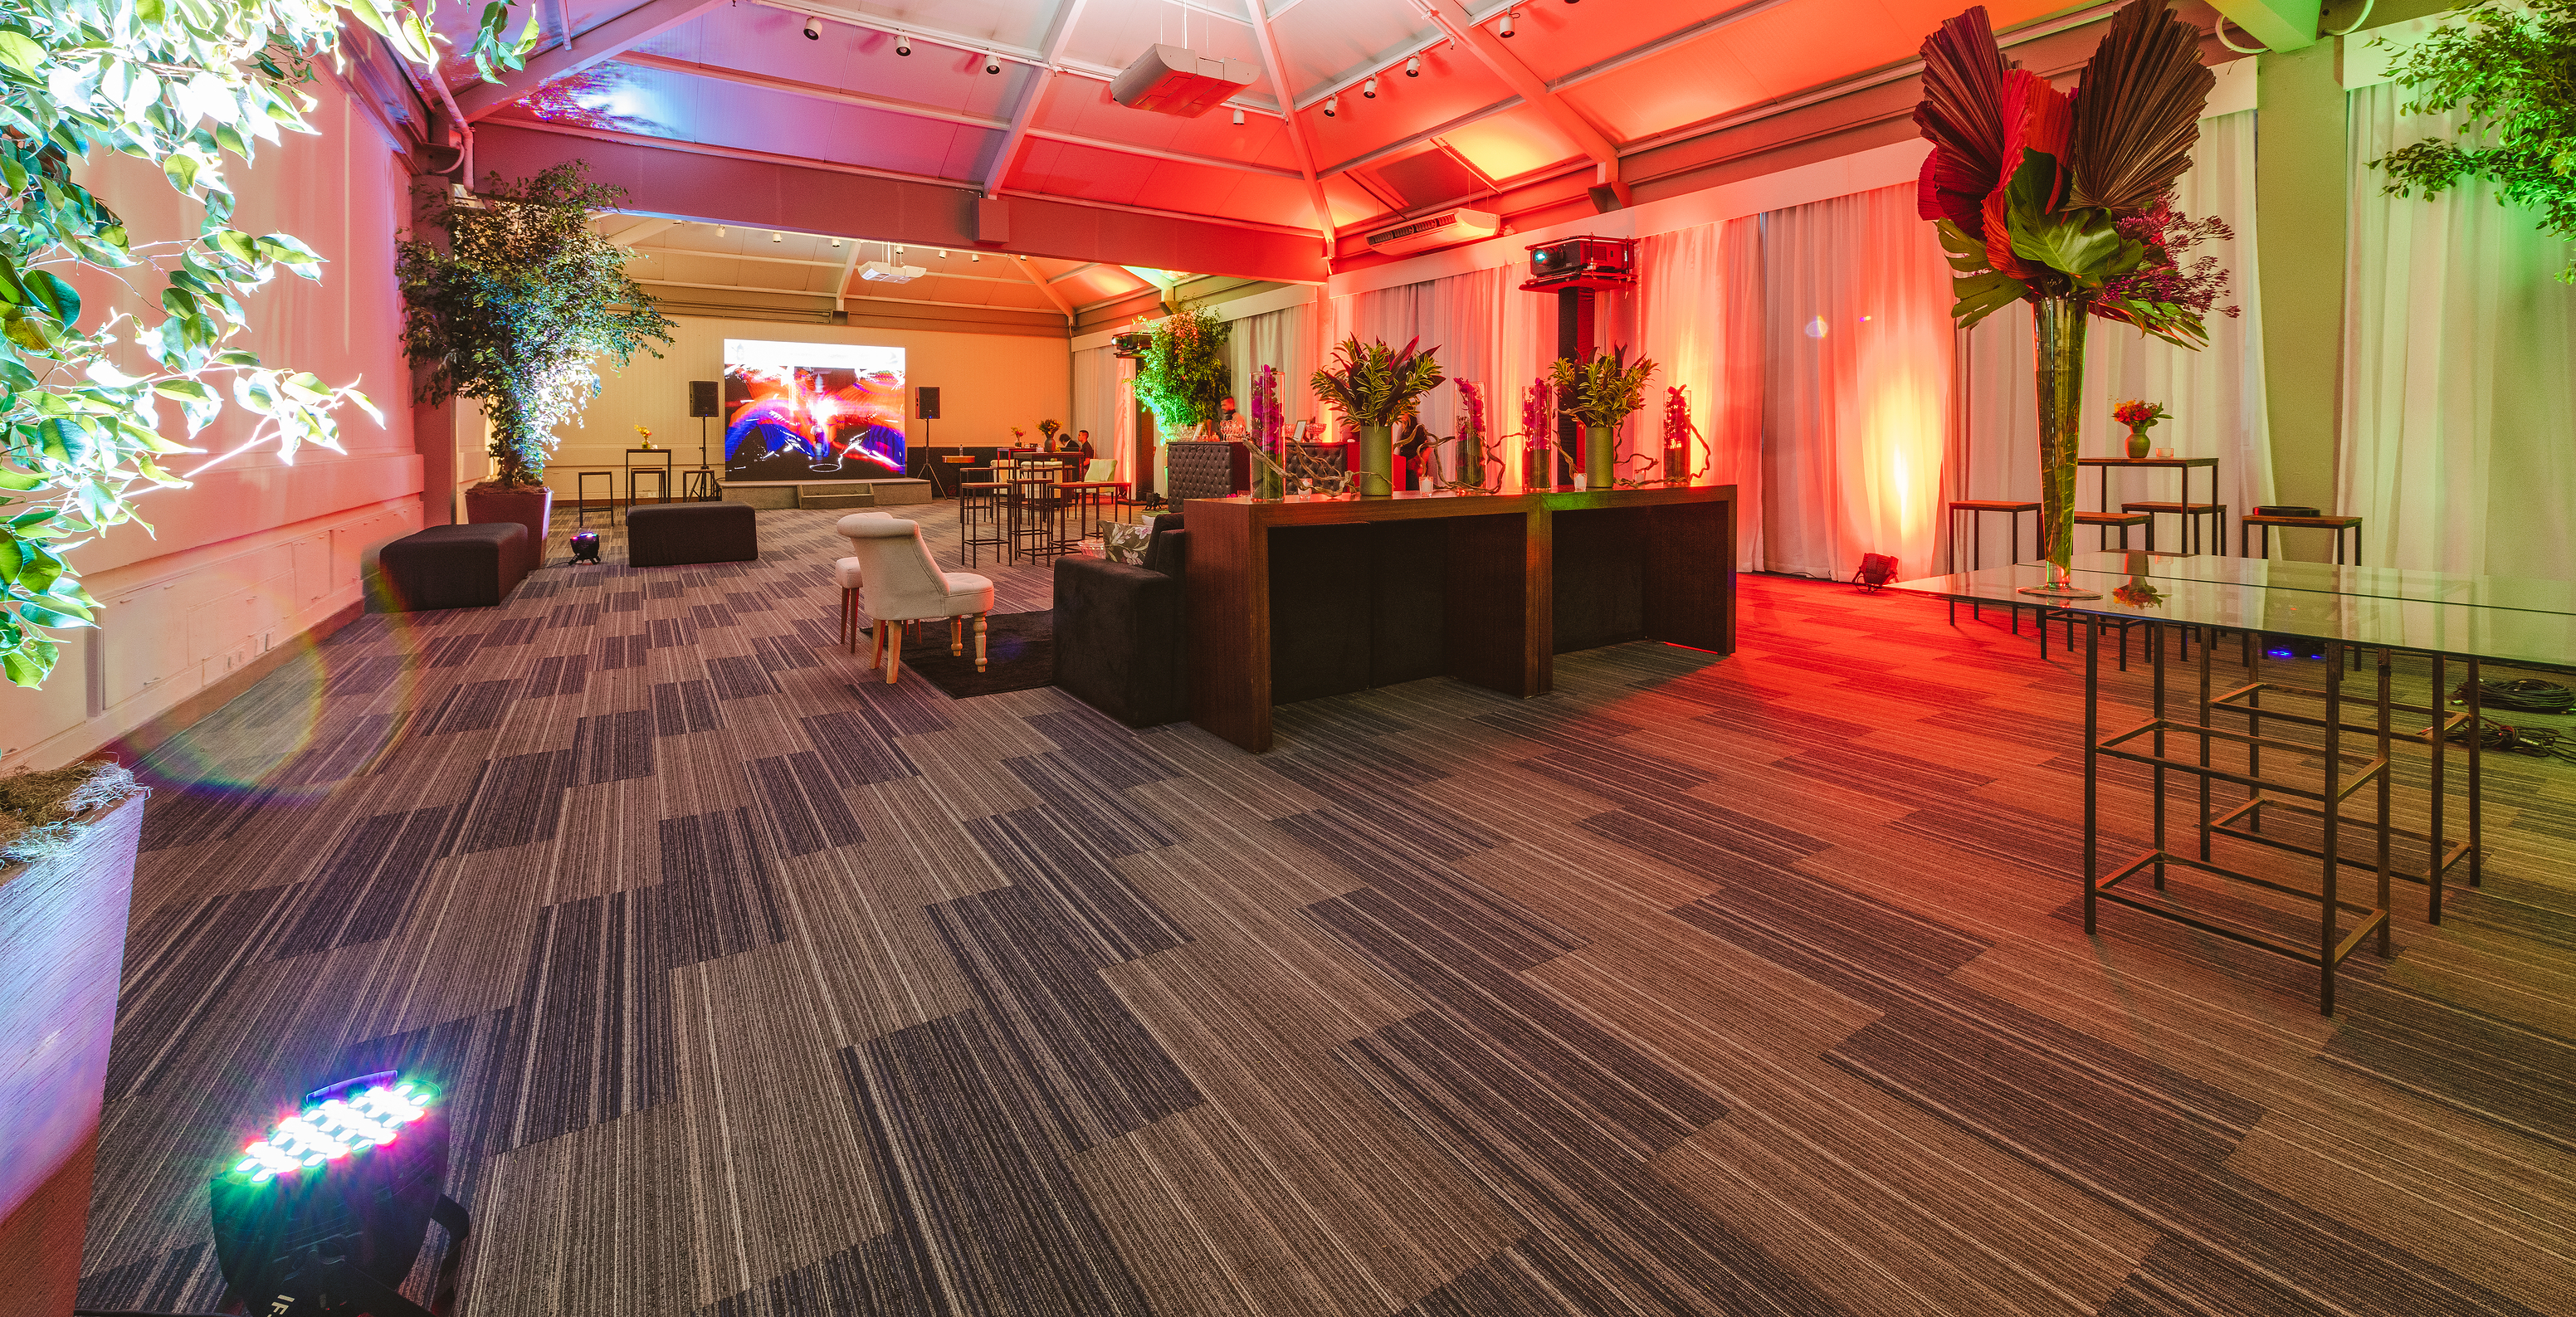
(813, 28)
(1506, 29)
(836, 242)
(992, 64)
(720, 230)
(943, 255)
(976, 257)
(1413, 66)
(1332, 107)
(1370, 90)
(778, 237)
(902, 44)
(1238, 116)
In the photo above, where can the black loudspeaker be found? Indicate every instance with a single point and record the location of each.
(929, 408)
(702, 398)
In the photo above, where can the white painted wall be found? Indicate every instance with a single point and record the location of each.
(257, 551)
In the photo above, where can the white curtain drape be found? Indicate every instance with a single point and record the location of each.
(2215, 395)
(1485, 329)
(1857, 352)
(2457, 446)
(1104, 404)
(1285, 339)
(1699, 299)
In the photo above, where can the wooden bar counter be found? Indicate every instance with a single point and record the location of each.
(1295, 598)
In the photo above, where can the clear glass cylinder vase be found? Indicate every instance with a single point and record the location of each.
(2057, 341)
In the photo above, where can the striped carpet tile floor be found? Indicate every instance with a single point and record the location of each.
(1745, 985)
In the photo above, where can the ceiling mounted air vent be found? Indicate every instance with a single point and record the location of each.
(887, 272)
(1444, 229)
(1171, 80)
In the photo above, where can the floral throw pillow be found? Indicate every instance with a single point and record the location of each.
(1126, 543)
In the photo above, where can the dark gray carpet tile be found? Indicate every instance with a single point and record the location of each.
(1041, 853)
(882, 1277)
(2020, 726)
(740, 602)
(2507, 1074)
(1102, 818)
(537, 586)
(613, 747)
(1341, 722)
(1384, 804)
(1091, 1067)
(186, 812)
(711, 616)
(451, 651)
(367, 883)
(2499, 912)
(516, 800)
(2031, 842)
(1614, 771)
(988, 1220)
(591, 1037)
(618, 652)
(368, 676)
(804, 803)
(1858, 946)
(659, 584)
(475, 706)
(1684, 849)
(856, 748)
(177, 971)
(682, 707)
(626, 601)
(154, 1284)
(1557, 723)
(344, 746)
(1894, 774)
(670, 632)
(517, 631)
(740, 678)
(818, 633)
(1532, 1278)
(573, 615)
(1626, 1241)
(1417, 880)
(1628, 1096)
(910, 708)
(1112, 755)
(1373, 767)
(718, 892)
(1730, 839)
(563, 674)
(784, 653)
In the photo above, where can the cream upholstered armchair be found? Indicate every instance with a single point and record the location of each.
(902, 583)
(845, 573)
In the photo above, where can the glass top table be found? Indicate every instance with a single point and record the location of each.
(2460, 624)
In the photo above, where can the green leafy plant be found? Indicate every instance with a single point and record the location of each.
(182, 87)
(516, 306)
(1181, 376)
(1373, 384)
(1601, 393)
(2513, 69)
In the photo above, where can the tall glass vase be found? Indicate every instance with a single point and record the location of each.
(1377, 461)
(2058, 353)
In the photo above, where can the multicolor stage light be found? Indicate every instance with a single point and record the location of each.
(336, 1128)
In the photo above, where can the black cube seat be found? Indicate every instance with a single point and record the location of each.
(669, 534)
(473, 566)
(1121, 645)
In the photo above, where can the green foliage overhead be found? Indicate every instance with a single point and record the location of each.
(1182, 378)
(516, 306)
(1372, 384)
(188, 86)
(1603, 392)
(2513, 70)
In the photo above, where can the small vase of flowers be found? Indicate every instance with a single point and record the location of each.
(2140, 417)
(648, 435)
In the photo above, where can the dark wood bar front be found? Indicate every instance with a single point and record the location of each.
(1295, 598)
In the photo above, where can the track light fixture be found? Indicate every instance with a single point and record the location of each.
(1332, 107)
(1507, 23)
(902, 44)
(777, 237)
(720, 230)
(836, 242)
(1369, 89)
(813, 28)
(943, 255)
(992, 64)
(1413, 66)
(1238, 116)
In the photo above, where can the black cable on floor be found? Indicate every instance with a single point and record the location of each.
(2523, 696)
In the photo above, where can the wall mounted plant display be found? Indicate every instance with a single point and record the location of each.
(513, 309)
(1376, 388)
(1601, 394)
(2065, 201)
(1181, 375)
(2508, 67)
(82, 396)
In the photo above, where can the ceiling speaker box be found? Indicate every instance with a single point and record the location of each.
(1172, 80)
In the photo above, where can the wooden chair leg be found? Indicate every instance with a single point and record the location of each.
(894, 650)
(956, 636)
(979, 642)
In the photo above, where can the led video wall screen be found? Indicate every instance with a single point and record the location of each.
(810, 412)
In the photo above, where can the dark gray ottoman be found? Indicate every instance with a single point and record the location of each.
(668, 534)
(474, 566)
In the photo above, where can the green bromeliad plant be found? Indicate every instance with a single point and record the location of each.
(191, 87)
(517, 306)
(1372, 384)
(2513, 69)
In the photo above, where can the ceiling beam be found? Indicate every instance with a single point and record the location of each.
(1025, 114)
(1276, 69)
(1489, 48)
(1054, 294)
(841, 289)
(603, 41)
(812, 90)
(1158, 153)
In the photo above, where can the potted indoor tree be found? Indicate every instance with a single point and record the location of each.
(1376, 388)
(1181, 376)
(2505, 66)
(511, 309)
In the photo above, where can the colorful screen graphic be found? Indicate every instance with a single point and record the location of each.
(812, 411)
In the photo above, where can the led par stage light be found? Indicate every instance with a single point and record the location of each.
(324, 1216)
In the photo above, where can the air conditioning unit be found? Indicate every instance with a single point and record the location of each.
(1172, 80)
(887, 272)
(1447, 228)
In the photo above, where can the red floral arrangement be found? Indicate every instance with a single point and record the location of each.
(2135, 413)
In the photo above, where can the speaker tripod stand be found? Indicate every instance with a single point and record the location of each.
(699, 483)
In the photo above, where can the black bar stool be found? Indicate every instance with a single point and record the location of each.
(2104, 521)
(661, 484)
(979, 507)
(1977, 508)
(581, 495)
(2191, 513)
(2263, 520)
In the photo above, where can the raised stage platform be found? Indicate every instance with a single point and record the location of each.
(893, 491)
